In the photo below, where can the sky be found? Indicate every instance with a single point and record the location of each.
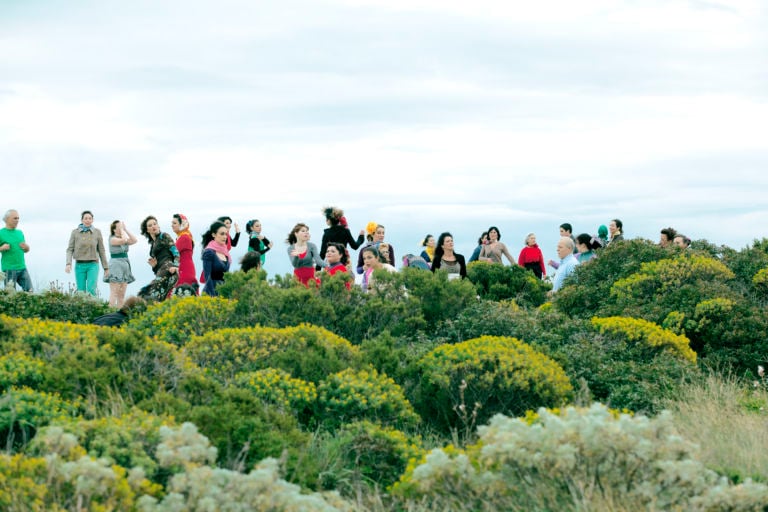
(422, 115)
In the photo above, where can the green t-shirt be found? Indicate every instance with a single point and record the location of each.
(13, 258)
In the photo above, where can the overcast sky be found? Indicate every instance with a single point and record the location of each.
(422, 115)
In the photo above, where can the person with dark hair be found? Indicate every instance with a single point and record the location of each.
(185, 245)
(335, 256)
(303, 254)
(251, 260)
(667, 236)
(682, 241)
(429, 249)
(164, 260)
(231, 242)
(616, 229)
(338, 231)
(13, 247)
(131, 306)
(494, 249)
(376, 238)
(372, 260)
(567, 230)
(531, 257)
(587, 244)
(256, 241)
(480, 243)
(216, 257)
(120, 276)
(447, 260)
(86, 247)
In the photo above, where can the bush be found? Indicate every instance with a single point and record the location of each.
(499, 282)
(374, 454)
(305, 352)
(18, 369)
(617, 261)
(574, 460)
(679, 284)
(352, 395)
(24, 411)
(648, 336)
(53, 304)
(178, 319)
(278, 388)
(128, 441)
(486, 376)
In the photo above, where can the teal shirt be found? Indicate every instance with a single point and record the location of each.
(13, 258)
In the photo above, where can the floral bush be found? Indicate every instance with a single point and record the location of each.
(352, 395)
(279, 388)
(305, 352)
(485, 376)
(178, 319)
(648, 334)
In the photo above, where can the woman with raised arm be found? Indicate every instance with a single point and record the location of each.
(303, 254)
(256, 240)
(164, 260)
(216, 257)
(338, 231)
(120, 276)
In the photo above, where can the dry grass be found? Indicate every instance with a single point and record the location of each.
(728, 419)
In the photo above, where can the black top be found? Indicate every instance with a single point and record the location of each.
(340, 235)
(254, 244)
(111, 319)
(459, 258)
(163, 249)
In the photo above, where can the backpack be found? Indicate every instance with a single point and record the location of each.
(413, 261)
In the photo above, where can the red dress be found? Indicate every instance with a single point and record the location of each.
(186, 263)
(339, 267)
(304, 274)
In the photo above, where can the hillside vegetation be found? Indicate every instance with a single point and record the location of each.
(639, 386)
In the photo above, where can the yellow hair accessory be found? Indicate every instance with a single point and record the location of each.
(370, 228)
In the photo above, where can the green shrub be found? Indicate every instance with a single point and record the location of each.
(128, 441)
(305, 352)
(501, 282)
(23, 411)
(278, 388)
(352, 395)
(487, 376)
(679, 284)
(18, 369)
(591, 297)
(77, 308)
(178, 319)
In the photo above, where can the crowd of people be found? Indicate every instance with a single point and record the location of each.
(172, 263)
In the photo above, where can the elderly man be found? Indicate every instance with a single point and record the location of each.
(12, 248)
(567, 264)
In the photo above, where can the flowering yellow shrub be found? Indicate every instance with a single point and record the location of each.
(35, 334)
(305, 351)
(367, 394)
(669, 274)
(17, 368)
(488, 375)
(178, 319)
(23, 483)
(642, 331)
(760, 279)
(278, 387)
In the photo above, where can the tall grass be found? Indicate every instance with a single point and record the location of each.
(728, 418)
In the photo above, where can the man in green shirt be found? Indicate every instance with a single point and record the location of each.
(12, 249)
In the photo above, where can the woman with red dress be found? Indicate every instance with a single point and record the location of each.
(303, 254)
(185, 245)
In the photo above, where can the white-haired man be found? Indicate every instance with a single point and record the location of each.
(568, 262)
(13, 247)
